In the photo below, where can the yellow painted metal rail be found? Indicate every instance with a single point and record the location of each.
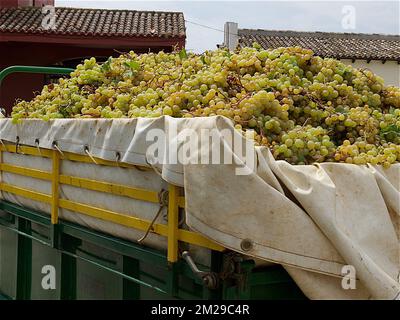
(172, 231)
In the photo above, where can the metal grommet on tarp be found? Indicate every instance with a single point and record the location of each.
(246, 245)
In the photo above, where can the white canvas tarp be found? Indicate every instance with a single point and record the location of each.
(313, 219)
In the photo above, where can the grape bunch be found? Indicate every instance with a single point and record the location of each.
(305, 108)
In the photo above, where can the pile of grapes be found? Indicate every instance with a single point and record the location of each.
(305, 108)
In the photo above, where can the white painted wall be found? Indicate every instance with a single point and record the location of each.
(231, 37)
(389, 71)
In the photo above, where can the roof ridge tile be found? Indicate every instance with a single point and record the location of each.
(95, 22)
(325, 44)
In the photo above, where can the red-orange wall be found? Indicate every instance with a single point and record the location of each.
(49, 49)
(23, 85)
(25, 3)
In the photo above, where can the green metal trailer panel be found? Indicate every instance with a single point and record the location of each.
(93, 265)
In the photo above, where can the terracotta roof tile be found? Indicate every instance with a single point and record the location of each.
(95, 22)
(328, 44)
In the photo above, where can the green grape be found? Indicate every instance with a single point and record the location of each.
(303, 107)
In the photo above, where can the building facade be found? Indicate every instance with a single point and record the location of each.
(75, 35)
(379, 53)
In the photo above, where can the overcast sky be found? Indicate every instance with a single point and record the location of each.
(370, 16)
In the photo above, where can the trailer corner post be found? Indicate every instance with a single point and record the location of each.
(173, 217)
(55, 181)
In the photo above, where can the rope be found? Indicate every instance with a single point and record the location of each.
(90, 155)
(138, 168)
(55, 146)
(154, 168)
(3, 144)
(37, 146)
(17, 147)
(163, 201)
(117, 158)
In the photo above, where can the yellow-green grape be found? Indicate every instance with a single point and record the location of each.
(303, 107)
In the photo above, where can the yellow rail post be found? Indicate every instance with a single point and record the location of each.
(175, 199)
(55, 182)
(173, 212)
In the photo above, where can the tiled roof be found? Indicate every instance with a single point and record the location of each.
(95, 22)
(327, 44)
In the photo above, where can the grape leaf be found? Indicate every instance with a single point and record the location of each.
(205, 59)
(347, 74)
(390, 132)
(183, 54)
(106, 65)
(394, 128)
(391, 128)
(133, 65)
(65, 110)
